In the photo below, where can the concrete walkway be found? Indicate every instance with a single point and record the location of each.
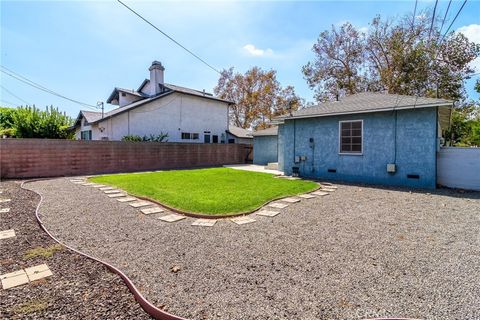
(253, 167)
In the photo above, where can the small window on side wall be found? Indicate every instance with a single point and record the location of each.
(186, 136)
(351, 137)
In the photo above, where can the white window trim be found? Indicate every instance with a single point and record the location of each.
(340, 139)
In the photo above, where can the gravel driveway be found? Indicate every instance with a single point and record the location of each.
(360, 252)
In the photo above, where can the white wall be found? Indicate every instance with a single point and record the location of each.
(129, 98)
(173, 114)
(96, 134)
(459, 168)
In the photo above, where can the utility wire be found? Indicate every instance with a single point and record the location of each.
(42, 88)
(169, 37)
(14, 95)
(433, 18)
(445, 17)
(456, 16)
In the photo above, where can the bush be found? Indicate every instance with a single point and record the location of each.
(162, 137)
(31, 122)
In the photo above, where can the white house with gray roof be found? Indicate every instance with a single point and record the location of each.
(185, 114)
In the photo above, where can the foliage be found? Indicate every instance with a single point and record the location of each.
(465, 127)
(42, 252)
(215, 191)
(257, 95)
(31, 122)
(162, 137)
(400, 56)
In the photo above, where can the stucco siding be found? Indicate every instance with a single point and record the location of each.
(174, 114)
(265, 149)
(459, 168)
(415, 153)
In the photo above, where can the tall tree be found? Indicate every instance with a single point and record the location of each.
(258, 97)
(400, 56)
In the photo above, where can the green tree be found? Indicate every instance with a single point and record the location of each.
(31, 122)
(400, 56)
(258, 97)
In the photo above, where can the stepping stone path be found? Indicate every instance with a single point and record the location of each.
(140, 203)
(5, 234)
(96, 185)
(290, 200)
(19, 277)
(127, 199)
(117, 195)
(13, 279)
(306, 196)
(267, 213)
(172, 217)
(5, 200)
(38, 272)
(107, 188)
(112, 191)
(88, 184)
(152, 210)
(242, 220)
(204, 222)
(278, 205)
(4, 210)
(320, 193)
(328, 189)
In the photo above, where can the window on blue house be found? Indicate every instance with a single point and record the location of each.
(351, 139)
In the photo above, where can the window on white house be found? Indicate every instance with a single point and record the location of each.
(215, 139)
(86, 135)
(186, 136)
(195, 136)
(351, 136)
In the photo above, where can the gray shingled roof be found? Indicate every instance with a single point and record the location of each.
(240, 132)
(367, 102)
(272, 131)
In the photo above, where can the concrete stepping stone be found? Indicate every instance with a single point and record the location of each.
(4, 210)
(14, 279)
(172, 218)
(98, 185)
(107, 188)
(79, 182)
(140, 203)
(127, 199)
(88, 184)
(5, 200)
(267, 213)
(152, 210)
(278, 205)
(204, 222)
(117, 195)
(38, 272)
(242, 220)
(110, 191)
(5, 234)
(290, 200)
(320, 193)
(306, 196)
(328, 190)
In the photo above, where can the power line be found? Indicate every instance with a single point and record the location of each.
(42, 88)
(14, 95)
(433, 18)
(456, 16)
(445, 17)
(169, 37)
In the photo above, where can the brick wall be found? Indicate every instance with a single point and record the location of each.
(32, 158)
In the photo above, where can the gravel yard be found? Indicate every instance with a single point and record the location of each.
(360, 252)
(79, 288)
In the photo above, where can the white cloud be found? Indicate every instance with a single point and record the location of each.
(257, 52)
(472, 32)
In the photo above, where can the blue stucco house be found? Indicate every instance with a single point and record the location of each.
(265, 148)
(366, 138)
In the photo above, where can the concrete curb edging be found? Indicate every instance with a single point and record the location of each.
(146, 305)
(213, 216)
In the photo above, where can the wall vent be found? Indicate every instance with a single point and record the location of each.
(413, 176)
(332, 170)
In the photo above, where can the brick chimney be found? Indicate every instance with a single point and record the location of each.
(156, 77)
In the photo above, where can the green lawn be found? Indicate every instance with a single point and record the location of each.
(215, 191)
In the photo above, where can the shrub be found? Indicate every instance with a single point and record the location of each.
(162, 137)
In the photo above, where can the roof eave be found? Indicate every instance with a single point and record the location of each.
(446, 104)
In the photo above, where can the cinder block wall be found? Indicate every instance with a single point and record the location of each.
(33, 158)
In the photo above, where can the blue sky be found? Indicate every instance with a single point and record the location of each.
(84, 49)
